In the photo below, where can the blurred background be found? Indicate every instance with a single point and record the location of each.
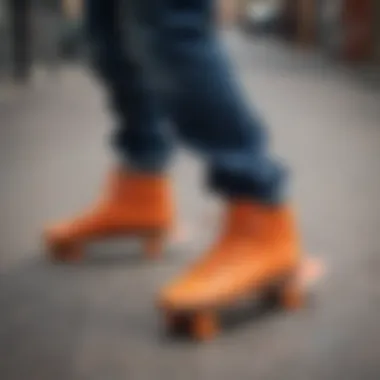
(35, 31)
(311, 67)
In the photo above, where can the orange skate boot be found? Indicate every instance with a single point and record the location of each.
(134, 204)
(259, 248)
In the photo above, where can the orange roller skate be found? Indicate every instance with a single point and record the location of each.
(259, 248)
(134, 204)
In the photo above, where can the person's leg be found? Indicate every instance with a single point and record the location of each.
(141, 138)
(259, 241)
(138, 197)
(207, 107)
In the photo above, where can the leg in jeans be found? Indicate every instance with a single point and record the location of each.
(259, 241)
(206, 105)
(138, 197)
(141, 138)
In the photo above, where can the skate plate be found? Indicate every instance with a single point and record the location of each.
(290, 294)
(71, 251)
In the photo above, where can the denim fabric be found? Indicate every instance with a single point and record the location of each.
(164, 66)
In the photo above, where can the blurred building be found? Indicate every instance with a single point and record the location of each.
(28, 33)
(41, 30)
(347, 29)
(5, 39)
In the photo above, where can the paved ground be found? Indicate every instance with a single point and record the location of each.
(96, 321)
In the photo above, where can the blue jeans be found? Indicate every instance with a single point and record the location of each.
(166, 72)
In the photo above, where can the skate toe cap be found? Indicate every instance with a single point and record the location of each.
(191, 296)
(57, 233)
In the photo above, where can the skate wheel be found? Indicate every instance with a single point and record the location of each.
(177, 323)
(154, 245)
(200, 326)
(69, 253)
(295, 293)
(203, 325)
(292, 296)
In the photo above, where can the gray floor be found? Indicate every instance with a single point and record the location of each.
(96, 320)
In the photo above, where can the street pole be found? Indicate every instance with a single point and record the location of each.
(21, 32)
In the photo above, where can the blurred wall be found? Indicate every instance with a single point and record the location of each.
(348, 28)
(72, 8)
(229, 11)
(359, 29)
(5, 43)
(377, 30)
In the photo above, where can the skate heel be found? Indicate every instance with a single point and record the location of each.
(63, 251)
(154, 244)
(199, 325)
(292, 293)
